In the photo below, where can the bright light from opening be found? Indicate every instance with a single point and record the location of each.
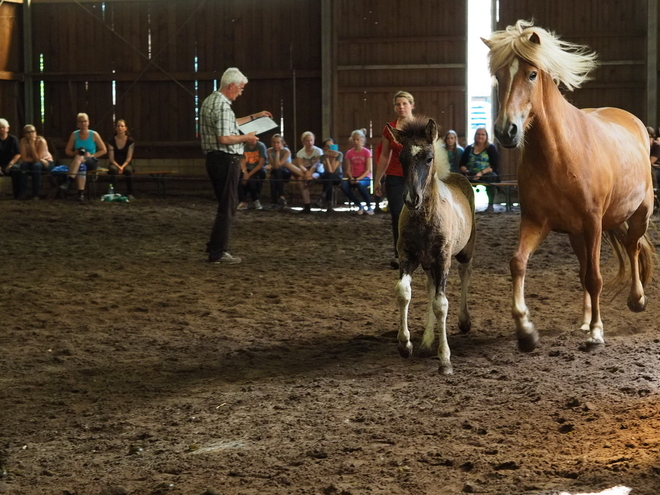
(479, 85)
(617, 490)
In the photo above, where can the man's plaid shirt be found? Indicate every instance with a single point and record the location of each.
(216, 118)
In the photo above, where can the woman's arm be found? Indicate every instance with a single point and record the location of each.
(111, 156)
(383, 161)
(129, 155)
(367, 170)
(100, 146)
(69, 146)
(257, 167)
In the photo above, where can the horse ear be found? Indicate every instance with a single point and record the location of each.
(534, 38)
(488, 43)
(432, 131)
(396, 134)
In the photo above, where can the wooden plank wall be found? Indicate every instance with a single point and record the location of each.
(615, 30)
(11, 65)
(376, 40)
(149, 49)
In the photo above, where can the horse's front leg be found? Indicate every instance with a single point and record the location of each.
(580, 250)
(531, 236)
(593, 281)
(403, 295)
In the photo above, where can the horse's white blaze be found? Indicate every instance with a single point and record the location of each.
(415, 150)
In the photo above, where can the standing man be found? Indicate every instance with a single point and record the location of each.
(223, 145)
(10, 155)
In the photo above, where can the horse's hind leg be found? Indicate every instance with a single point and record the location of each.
(404, 294)
(464, 321)
(637, 226)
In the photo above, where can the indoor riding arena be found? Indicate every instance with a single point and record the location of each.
(130, 364)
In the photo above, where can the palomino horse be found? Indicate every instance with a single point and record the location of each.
(437, 222)
(584, 172)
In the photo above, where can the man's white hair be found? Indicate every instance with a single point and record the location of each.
(232, 75)
(3, 122)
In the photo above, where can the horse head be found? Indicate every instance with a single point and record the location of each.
(418, 139)
(529, 63)
(519, 92)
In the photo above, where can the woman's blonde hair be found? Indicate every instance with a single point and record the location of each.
(305, 134)
(82, 114)
(404, 94)
(280, 137)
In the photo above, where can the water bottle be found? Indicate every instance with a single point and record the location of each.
(111, 189)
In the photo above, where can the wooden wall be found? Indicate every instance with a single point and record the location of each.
(11, 66)
(615, 30)
(149, 48)
(383, 47)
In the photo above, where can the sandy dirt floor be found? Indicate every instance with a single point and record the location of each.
(128, 365)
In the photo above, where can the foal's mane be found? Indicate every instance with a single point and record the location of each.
(415, 130)
(567, 63)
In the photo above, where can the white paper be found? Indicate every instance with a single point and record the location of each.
(260, 125)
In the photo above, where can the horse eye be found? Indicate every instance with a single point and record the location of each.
(532, 76)
(429, 160)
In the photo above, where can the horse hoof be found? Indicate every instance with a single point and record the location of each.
(464, 326)
(445, 369)
(528, 343)
(591, 347)
(637, 306)
(405, 350)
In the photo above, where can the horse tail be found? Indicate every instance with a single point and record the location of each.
(617, 238)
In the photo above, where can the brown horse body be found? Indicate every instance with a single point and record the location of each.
(585, 173)
(436, 224)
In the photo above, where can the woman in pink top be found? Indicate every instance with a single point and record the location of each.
(358, 172)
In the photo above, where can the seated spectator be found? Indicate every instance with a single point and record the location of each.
(331, 160)
(120, 156)
(10, 155)
(253, 178)
(358, 172)
(480, 163)
(278, 157)
(454, 151)
(306, 167)
(85, 146)
(35, 158)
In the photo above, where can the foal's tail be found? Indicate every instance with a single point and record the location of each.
(617, 238)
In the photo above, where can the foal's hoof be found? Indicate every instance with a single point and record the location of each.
(406, 350)
(528, 343)
(637, 306)
(464, 326)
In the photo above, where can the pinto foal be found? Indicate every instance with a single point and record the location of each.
(436, 224)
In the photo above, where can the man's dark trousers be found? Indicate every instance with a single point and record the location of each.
(224, 170)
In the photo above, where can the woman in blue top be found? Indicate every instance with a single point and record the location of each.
(481, 163)
(85, 146)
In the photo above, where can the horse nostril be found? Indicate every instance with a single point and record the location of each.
(513, 130)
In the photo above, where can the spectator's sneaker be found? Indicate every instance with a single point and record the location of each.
(242, 205)
(370, 211)
(360, 211)
(257, 205)
(282, 203)
(226, 259)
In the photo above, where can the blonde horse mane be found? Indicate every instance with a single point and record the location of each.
(567, 63)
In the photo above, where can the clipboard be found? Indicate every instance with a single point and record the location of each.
(260, 125)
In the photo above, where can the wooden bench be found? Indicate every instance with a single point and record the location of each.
(506, 186)
(159, 177)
